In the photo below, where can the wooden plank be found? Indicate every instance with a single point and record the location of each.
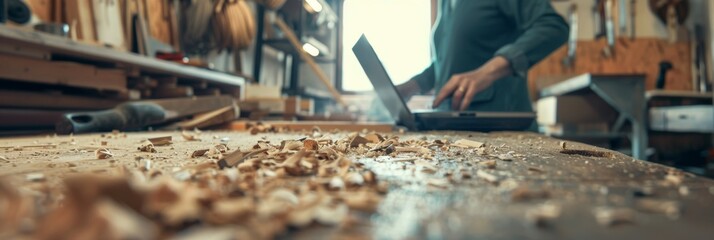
(172, 92)
(211, 118)
(20, 50)
(108, 23)
(41, 8)
(158, 20)
(64, 46)
(40, 100)
(308, 126)
(61, 73)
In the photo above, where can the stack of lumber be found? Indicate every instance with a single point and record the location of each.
(262, 101)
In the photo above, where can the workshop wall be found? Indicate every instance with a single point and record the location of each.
(641, 55)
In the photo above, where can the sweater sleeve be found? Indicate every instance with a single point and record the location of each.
(542, 31)
(426, 79)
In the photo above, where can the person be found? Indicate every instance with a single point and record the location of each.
(481, 52)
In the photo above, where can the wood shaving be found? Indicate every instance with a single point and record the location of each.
(607, 216)
(465, 143)
(160, 141)
(103, 153)
(35, 177)
(544, 214)
(487, 176)
(506, 156)
(188, 136)
(490, 164)
(199, 153)
(523, 193)
(668, 207)
(310, 145)
(147, 146)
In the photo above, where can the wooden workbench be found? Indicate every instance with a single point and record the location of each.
(469, 207)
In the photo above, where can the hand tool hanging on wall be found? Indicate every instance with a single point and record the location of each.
(598, 17)
(672, 13)
(622, 16)
(664, 67)
(573, 37)
(197, 16)
(701, 80)
(633, 18)
(609, 50)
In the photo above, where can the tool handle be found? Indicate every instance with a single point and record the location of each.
(126, 116)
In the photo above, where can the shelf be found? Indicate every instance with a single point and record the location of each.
(284, 45)
(64, 46)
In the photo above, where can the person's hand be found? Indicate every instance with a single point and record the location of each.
(463, 87)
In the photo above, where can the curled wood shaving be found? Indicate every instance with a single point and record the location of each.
(487, 176)
(310, 145)
(608, 216)
(465, 143)
(160, 141)
(490, 164)
(543, 214)
(147, 146)
(188, 136)
(103, 153)
(199, 153)
(668, 207)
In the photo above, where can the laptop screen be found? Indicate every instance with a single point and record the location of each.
(386, 90)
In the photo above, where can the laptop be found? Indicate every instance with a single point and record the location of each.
(432, 119)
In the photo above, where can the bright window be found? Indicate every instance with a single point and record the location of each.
(399, 31)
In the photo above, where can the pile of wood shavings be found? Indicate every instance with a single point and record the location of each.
(259, 193)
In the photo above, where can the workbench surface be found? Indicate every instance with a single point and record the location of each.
(534, 191)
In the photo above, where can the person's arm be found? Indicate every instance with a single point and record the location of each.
(419, 84)
(542, 31)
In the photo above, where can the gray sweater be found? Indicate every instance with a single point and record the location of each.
(468, 33)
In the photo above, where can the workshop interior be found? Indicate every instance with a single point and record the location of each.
(356, 119)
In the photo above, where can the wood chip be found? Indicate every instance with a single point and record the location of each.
(103, 153)
(35, 177)
(523, 193)
(544, 214)
(374, 138)
(439, 182)
(487, 176)
(465, 143)
(563, 145)
(506, 156)
(608, 216)
(668, 207)
(199, 153)
(160, 141)
(188, 136)
(310, 145)
(357, 141)
(147, 146)
(425, 166)
(490, 164)
(237, 157)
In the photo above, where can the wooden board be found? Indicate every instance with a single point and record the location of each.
(41, 100)
(158, 20)
(309, 125)
(211, 118)
(639, 56)
(61, 73)
(41, 8)
(108, 23)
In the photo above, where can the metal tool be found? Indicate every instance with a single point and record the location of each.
(672, 13)
(573, 38)
(701, 80)
(664, 67)
(633, 18)
(139, 114)
(622, 19)
(597, 19)
(609, 50)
